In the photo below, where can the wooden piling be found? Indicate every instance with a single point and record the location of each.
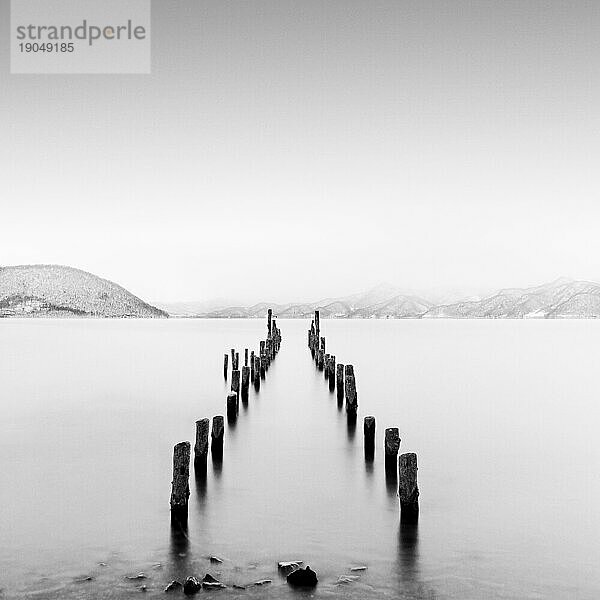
(350, 390)
(263, 365)
(237, 360)
(246, 357)
(323, 344)
(269, 321)
(252, 365)
(201, 446)
(408, 490)
(232, 404)
(326, 365)
(320, 360)
(257, 373)
(332, 373)
(339, 380)
(391, 445)
(180, 486)
(217, 433)
(235, 382)
(245, 381)
(225, 365)
(317, 324)
(369, 431)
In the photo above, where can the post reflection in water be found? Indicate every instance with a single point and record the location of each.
(408, 567)
(200, 478)
(351, 421)
(391, 479)
(179, 548)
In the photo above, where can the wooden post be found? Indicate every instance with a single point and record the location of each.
(269, 321)
(326, 365)
(252, 365)
(246, 357)
(320, 360)
(218, 430)
(263, 365)
(235, 382)
(369, 430)
(245, 381)
(180, 486)
(323, 344)
(350, 389)
(408, 490)
(332, 373)
(392, 445)
(317, 325)
(232, 357)
(237, 360)
(232, 405)
(257, 362)
(339, 380)
(201, 446)
(225, 364)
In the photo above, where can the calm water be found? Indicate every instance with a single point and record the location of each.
(503, 415)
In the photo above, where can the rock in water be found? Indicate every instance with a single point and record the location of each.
(303, 578)
(192, 585)
(174, 585)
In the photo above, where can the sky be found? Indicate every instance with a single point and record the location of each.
(287, 150)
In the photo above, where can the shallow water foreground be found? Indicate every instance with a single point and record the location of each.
(503, 415)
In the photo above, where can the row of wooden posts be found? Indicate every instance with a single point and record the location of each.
(254, 369)
(341, 378)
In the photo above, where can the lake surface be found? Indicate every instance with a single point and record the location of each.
(503, 415)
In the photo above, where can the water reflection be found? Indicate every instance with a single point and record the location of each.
(180, 542)
(391, 478)
(351, 422)
(200, 478)
(217, 463)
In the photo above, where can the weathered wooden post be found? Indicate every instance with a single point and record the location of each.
(339, 381)
(217, 433)
(235, 382)
(201, 446)
(392, 445)
(232, 405)
(317, 325)
(326, 365)
(323, 344)
(180, 486)
(408, 489)
(246, 357)
(332, 373)
(369, 431)
(350, 389)
(252, 365)
(263, 366)
(257, 362)
(237, 360)
(232, 357)
(269, 321)
(245, 381)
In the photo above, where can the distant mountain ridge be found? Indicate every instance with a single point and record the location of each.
(59, 291)
(560, 299)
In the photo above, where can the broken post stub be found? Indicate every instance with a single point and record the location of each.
(201, 446)
(235, 382)
(369, 431)
(232, 406)
(180, 486)
(217, 433)
(256, 373)
(332, 373)
(245, 381)
(408, 490)
(339, 380)
(391, 445)
(350, 390)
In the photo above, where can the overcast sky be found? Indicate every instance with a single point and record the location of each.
(294, 150)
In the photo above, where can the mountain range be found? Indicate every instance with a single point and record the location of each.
(58, 291)
(563, 298)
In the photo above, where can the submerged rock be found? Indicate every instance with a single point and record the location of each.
(359, 568)
(347, 579)
(263, 582)
(289, 565)
(174, 585)
(303, 578)
(192, 585)
(216, 559)
(135, 577)
(211, 583)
